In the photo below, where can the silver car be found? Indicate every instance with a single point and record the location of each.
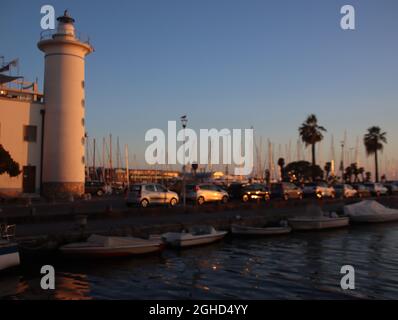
(201, 193)
(145, 194)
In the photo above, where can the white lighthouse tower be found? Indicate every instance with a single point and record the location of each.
(64, 127)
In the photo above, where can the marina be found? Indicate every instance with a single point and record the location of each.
(198, 151)
(295, 266)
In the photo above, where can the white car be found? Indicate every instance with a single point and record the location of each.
(345, 191)
(145, 194)
(319, 189)
(377, 189)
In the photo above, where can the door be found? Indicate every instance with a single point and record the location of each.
(162, 192)
(29, 179)
(152, 194)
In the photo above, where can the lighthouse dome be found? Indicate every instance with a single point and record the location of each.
(65, 26)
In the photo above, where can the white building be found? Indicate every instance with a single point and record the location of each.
(45, 133)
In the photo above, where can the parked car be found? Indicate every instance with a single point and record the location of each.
(392, 187)
(345, 191)
(319, 190)
(286, 191)
(235, 190)
(98, 188)
(362, 190)
(247, 192)
(145, 194)
(377, 189)
(201, 193)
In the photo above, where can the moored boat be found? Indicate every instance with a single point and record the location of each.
(318, 223)
(9, 253)
(370, 211)
(98, 246)
(257, 231)
(195, 236)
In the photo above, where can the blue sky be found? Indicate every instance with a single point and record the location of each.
(225, 63)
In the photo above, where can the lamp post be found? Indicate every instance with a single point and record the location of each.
(342, 162)
(184, 122)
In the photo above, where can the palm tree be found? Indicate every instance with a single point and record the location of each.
(373, 141)
(281, 164)
(311, 133)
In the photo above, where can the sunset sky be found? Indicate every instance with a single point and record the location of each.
(225, 63)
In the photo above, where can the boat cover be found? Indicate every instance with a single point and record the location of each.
(367, 207)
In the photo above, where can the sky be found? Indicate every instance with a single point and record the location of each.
(225, 64)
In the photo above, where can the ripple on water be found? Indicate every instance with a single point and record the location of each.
(301, 265)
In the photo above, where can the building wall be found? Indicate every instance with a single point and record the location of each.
(14, 115)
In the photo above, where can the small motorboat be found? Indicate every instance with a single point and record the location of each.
(257, 231)
(316, 219)
(370, 211)
(198, 235)
(9, 253)
(98, 246)
(318, 223)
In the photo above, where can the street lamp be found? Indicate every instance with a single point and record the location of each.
(184, 122)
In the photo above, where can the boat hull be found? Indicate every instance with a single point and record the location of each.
(252, 231)
(9, 256)
(104, 252)
(318, 224)
(183, 242)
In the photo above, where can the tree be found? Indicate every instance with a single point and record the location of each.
(348, 174)
(303, 171)
(373, 141)
(327, 168)
(311, 133)
(7, 164)
(281, 164)
(361, 171)
(368, 176)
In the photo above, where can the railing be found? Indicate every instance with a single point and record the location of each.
(48, 34)
(7, 232)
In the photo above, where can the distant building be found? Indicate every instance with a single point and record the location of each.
(45, 134)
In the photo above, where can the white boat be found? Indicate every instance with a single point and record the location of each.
(9, 253)
(98, 246)
(256, 231)
(195, 236)
(370, 211)
(316, 219)
(318, 223)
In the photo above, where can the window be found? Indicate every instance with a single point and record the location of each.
(83, 84)
(150, 188)
(30, 133)
(83, 122)
(83, 103)
(161, 188)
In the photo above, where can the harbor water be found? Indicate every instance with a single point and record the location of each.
(296, 266)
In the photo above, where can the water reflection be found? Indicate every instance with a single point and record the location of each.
(301, 265)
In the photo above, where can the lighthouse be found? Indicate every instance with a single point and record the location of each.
(64, 104)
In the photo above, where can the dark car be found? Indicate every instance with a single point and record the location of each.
(95, 188)
(255, 191)
(235, 190)
(363, 191)
(286, 191)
